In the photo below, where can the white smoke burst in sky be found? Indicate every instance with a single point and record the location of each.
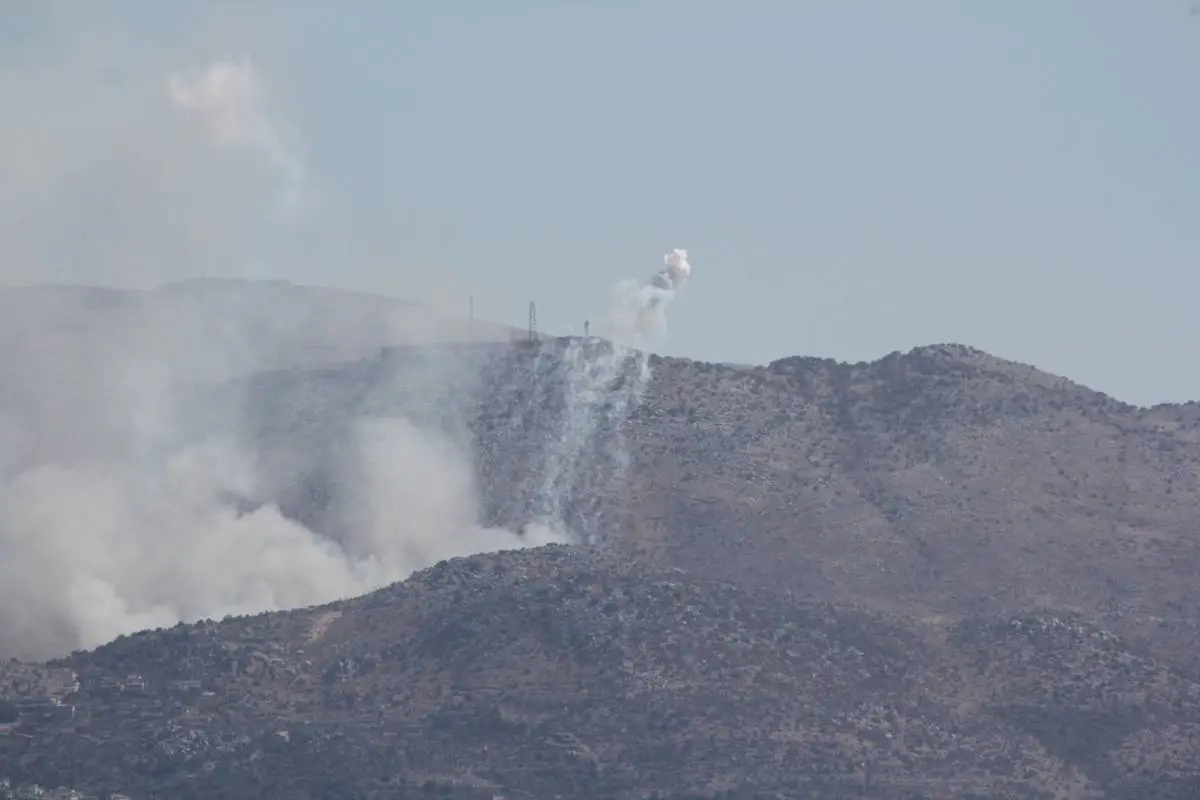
(637, 310)
(229, 98)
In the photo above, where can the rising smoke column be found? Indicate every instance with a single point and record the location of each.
(118, 509)
(603, 382)
(637, 310)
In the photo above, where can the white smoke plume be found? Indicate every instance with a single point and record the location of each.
(118, 509)
(637, 310)
(603, 386)
(230, 99)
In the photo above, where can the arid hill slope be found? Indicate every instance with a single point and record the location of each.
(936, 575)
(572, 672)
(943, 480)
(939, 482)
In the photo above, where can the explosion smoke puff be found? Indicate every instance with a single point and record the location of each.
(638, 309)
(678, 269)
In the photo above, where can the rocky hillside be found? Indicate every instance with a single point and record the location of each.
(939, 482)
(936, 575)
(573, 672)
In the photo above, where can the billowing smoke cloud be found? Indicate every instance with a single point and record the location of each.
(91, 551)
(229, 98)
(119, 509)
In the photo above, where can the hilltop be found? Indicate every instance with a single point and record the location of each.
(939, 574)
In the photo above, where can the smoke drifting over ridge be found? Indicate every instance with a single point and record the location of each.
(119, 509)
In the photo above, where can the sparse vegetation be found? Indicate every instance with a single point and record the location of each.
(938, 575)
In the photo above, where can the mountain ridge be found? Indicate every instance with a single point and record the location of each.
(938, 574)
(862, 430)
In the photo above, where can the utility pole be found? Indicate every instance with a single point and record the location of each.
(532, 320)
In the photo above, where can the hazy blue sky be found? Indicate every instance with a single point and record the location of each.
(850, 177)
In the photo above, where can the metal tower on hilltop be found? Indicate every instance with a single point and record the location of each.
(532, 320)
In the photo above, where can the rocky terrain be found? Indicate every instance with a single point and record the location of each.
(942, 482)
(935, 575)
(571, 672)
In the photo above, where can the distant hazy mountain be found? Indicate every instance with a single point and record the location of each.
(217, 328)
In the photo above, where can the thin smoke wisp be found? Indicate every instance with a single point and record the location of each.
(229, 98)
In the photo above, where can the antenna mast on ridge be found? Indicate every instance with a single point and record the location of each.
(532, 320)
